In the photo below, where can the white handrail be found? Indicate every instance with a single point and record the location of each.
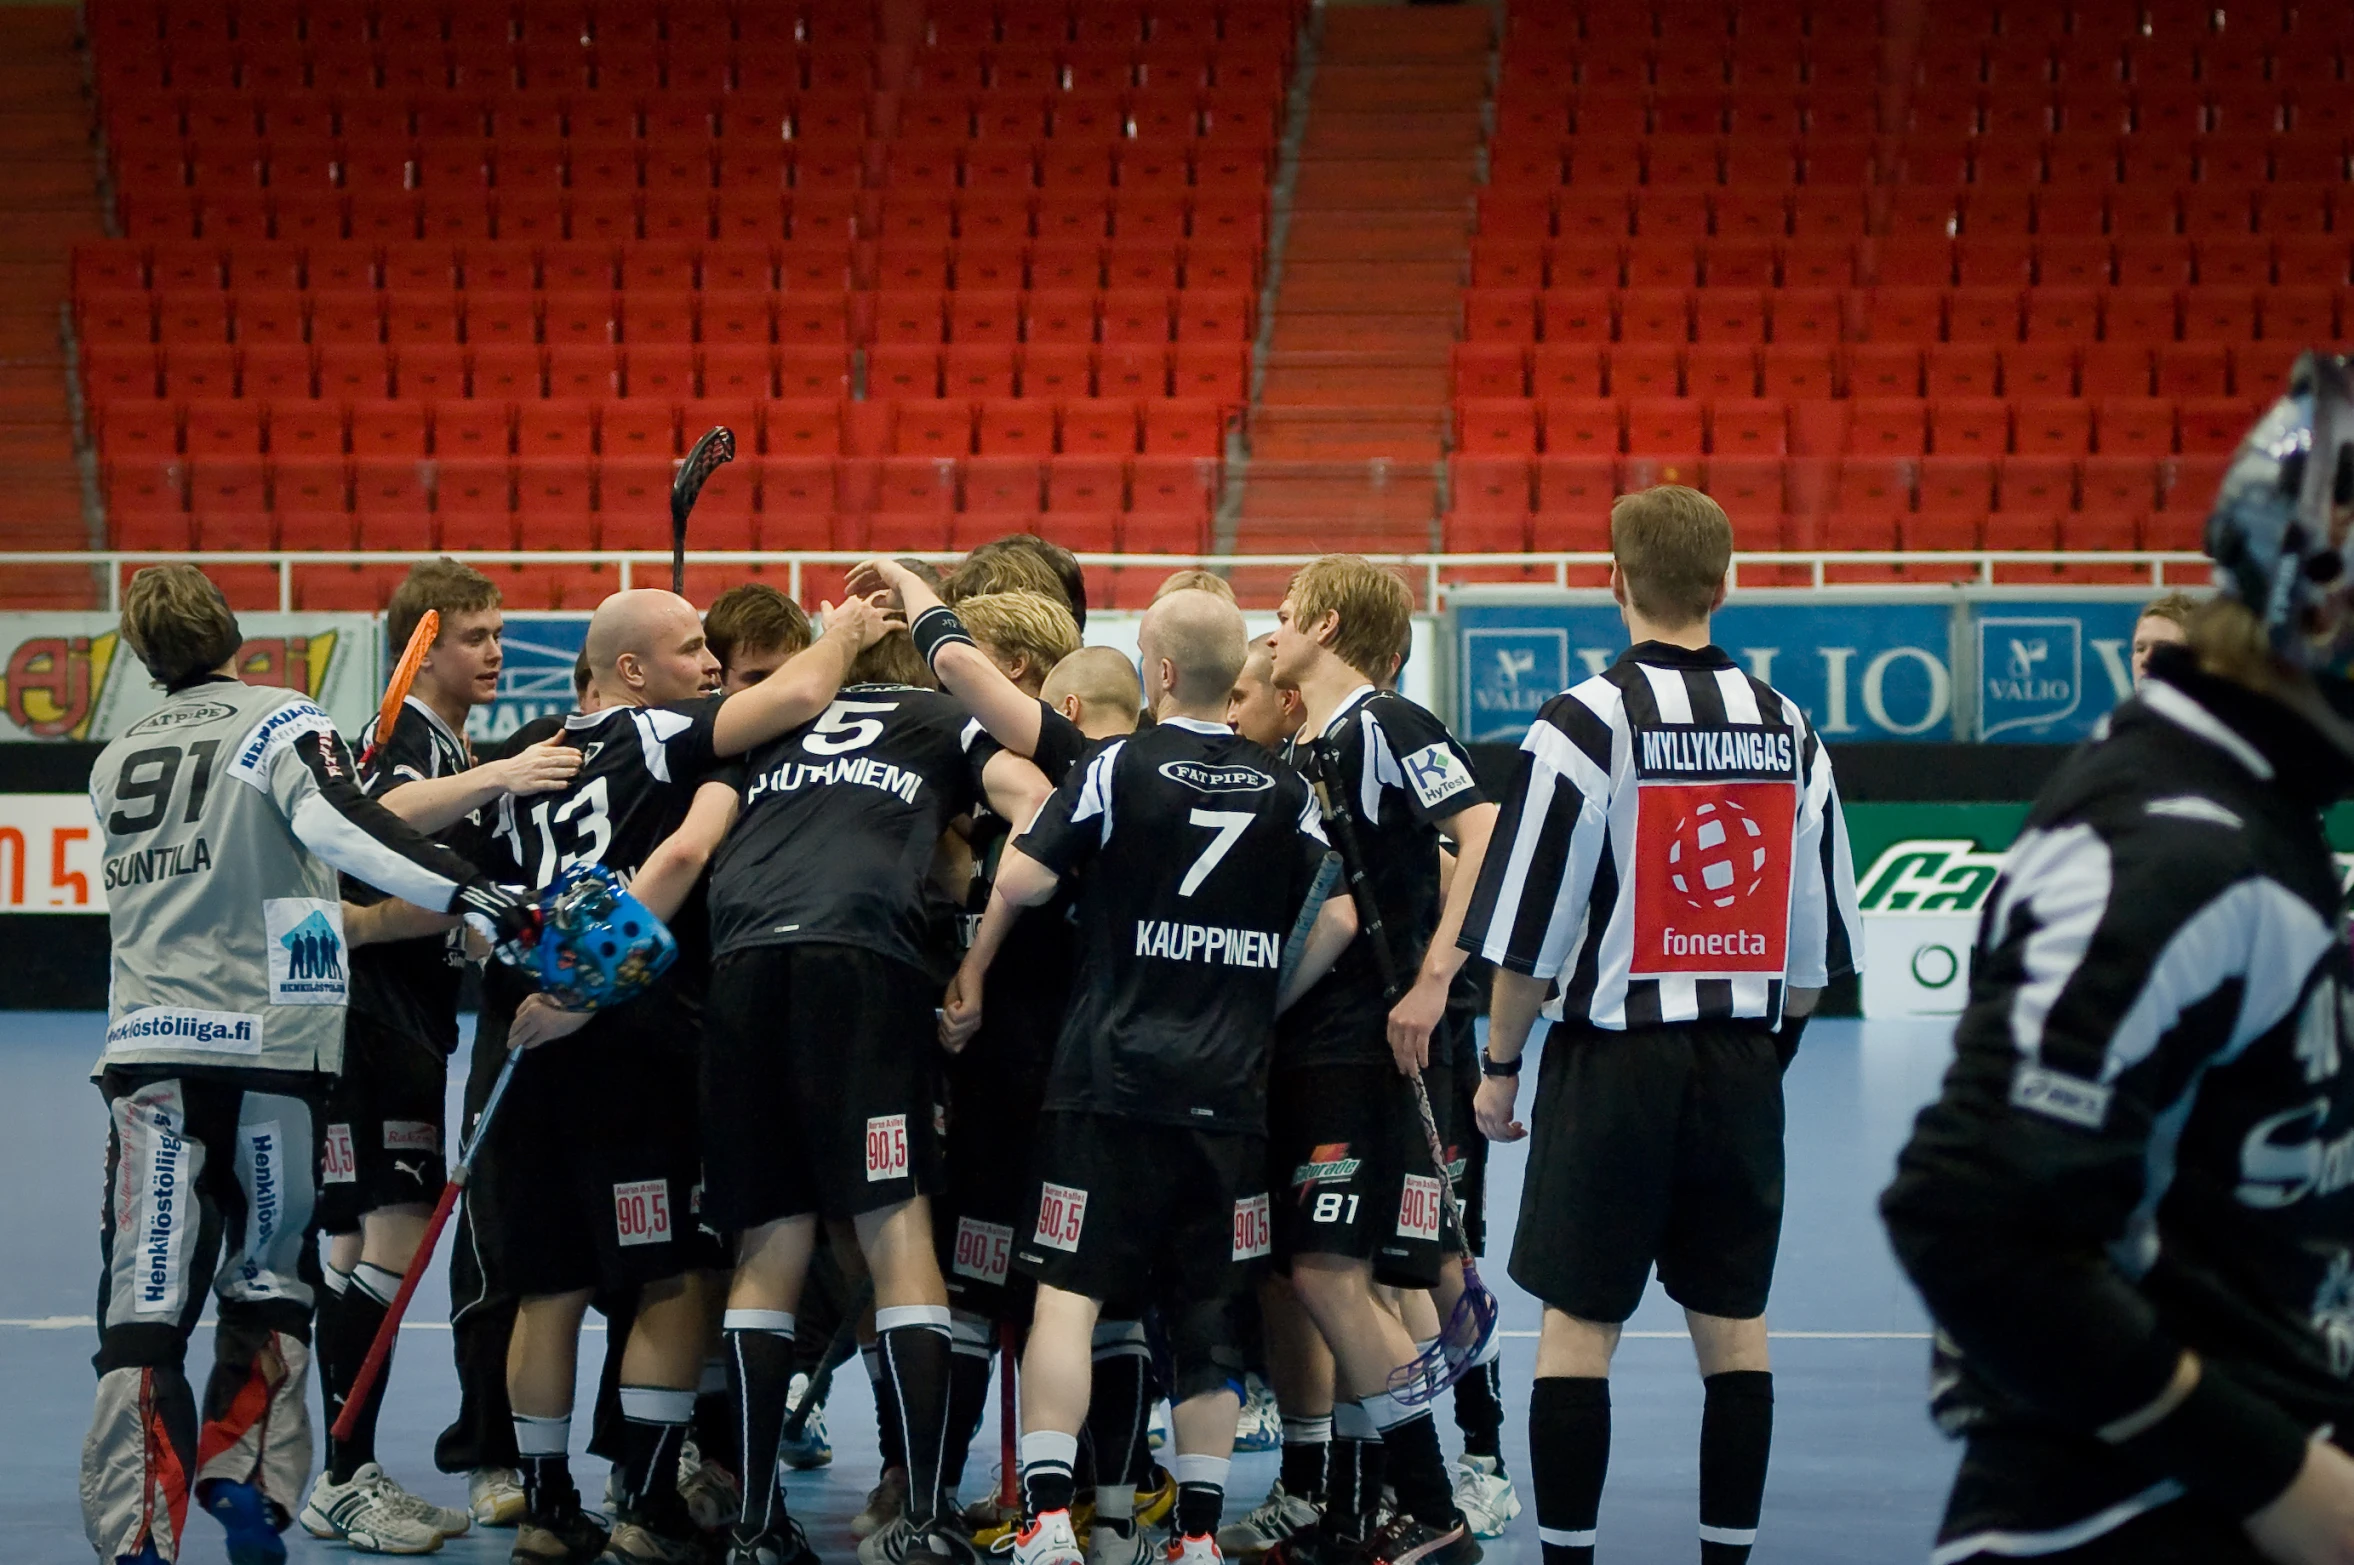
(1981, 563)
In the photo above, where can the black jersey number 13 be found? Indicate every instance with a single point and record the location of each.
(583, 821)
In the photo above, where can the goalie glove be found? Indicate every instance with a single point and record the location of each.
(505, 916)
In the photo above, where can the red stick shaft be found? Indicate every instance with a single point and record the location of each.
(1009, 1494)
(381, 1349)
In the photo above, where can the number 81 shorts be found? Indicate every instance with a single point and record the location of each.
(1350, 1168)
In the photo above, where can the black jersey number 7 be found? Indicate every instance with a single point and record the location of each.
(1228, 825)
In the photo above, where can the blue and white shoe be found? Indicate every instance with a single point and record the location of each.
(1260, 1428)
(245, 1515)
(812, 1448)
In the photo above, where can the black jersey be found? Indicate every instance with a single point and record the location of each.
(840, 820)
(1403, 773)
(1197, 849)
(410, 987)
(2143, 1142)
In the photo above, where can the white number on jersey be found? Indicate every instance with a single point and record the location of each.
(589, 826)
(836, 732)
(1229, 825)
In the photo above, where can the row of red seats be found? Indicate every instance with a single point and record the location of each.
(379, 499)
(1888, 426)
(663, 265)
(1874, 369)
(1848, 211)
(642, 427)
(364, 372)
(1547, 113)
(481, 317)
(1536, 163)
(691, 215)
(2132, 261)
(2085, 532)
(2036, 485)
(1901, 314)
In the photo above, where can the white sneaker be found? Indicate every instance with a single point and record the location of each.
(1107, 1545)
(1279, 1517)
(441, 1518)
(362, 1514)
(1260, 1428)
(714, 1498)
(1192, 1551)
(1048, 1541)
(1157, 1432)
(494, 1496)
(1484, 1494)
(885, 1503)
(812, 1448)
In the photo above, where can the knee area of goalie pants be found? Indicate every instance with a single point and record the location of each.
(1120, 1339)
(1201, 1342)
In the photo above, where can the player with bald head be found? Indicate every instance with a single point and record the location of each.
(600, 1160)
(1191, 645)
(1096, 688)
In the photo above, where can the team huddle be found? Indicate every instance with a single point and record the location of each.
(1027, 998)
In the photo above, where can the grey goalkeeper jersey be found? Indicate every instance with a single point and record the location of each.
(225, 815)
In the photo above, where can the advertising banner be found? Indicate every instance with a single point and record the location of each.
(67, 676)
(2050, 670)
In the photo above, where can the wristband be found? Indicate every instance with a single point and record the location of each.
(1490, 1066)
(936, 628)
(2233, 1447)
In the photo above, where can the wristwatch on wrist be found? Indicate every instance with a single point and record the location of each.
(1489, 1065)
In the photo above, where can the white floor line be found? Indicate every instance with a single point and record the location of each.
(78, 1322)
(83, 1322)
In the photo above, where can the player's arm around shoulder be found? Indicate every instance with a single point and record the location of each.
(434, 804)
(805, 682)
(678, 860)
(1015, 786)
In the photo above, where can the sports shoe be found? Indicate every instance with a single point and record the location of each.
(1156, 1498)
(567, 1535)
(1260, 1427)
(812, 1448)
(245, 1514)
(1156, 1434)
(1048, 1541)
(1276, 1519)
(1194, 1549)
(441, 1518)
(633, 1543)
(1405, 1541)
(909, 1542)
(713, 1496)
(495, 1496)
(884, 1503)
(1484, 1494)
(363, 1513)
(787, 1547)
(1108, 1545)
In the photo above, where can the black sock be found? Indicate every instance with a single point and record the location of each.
(1119, 1403)
(360, 1309)
(547, 1472)
(890, 1439)
(1353, 1474)
(912, 1340)
(969, 1363)
(1736, 1438)
(1569, 1454)
(760, 1372)
(326, 1305)
(714, 1423)
(1307, 1446)
(1417, 1468)
(1201, 1493)
(1048, 1483)
(1479, 1411)
(654, 1425)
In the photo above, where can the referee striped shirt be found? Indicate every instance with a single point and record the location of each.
(1671, 849)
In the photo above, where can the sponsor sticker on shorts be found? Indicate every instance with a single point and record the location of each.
(1418, 1208)
(1062, 1212)
(641, 1212)
(1254, 1235)
(337, 1166)
(886, 1147)
(1329, 1163)
(983, 1250)
(411, 1135)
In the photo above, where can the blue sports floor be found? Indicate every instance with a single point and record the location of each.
(1858, 1475)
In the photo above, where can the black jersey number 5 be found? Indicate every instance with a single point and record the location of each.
(838, 731)
(583, 820)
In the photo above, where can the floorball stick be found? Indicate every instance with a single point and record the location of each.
(715, 450)
(389, 1329)
(404, 674)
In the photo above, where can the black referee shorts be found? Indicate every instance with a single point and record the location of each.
(1656, 1145)
(819, 1085)
(2022, 1493)
(383, 1137)
(1349, 1168)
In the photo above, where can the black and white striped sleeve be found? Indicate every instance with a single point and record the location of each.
(1825, 925)
(1529, 908)
(2123, 960)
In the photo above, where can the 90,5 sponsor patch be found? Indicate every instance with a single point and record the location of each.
(983, 1250)
(1254, 1234)
(1062, 1213)
(1418, 1207)
(641, 1212)
(337, 1165)
(886, 1147)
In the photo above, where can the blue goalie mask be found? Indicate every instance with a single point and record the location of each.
(2278, 530)
(599, 945)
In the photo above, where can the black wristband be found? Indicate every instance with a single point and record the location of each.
(1787, 1035)
(936, 628)
(1489, 1065)
(2234, 1448)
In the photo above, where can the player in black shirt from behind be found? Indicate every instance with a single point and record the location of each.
(1199, 850)
(818, 1070)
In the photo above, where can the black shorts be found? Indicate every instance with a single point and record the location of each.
(819, 1084)
(382, 1140)
(989, 1181)
(1137, 1215)
(599, 1166)
(2046, 1490)
(1663, 1145)
(1350, 1169)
